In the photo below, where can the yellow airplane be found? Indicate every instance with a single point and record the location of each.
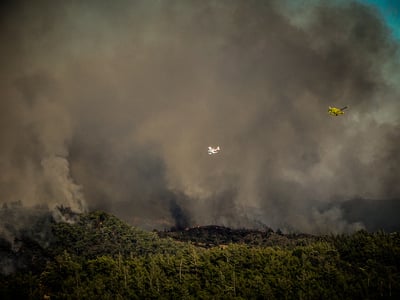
(334, 111)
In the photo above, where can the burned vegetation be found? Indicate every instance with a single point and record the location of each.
(99, 256)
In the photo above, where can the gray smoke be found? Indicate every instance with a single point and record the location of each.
(111, 105)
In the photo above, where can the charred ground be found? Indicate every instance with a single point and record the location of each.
(97, 256)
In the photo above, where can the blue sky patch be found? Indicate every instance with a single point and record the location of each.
(390, 9)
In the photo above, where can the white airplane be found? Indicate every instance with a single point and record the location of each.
(212, 150)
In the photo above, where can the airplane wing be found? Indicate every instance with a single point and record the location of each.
(212, 150)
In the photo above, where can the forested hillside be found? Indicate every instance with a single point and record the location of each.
(100, 257)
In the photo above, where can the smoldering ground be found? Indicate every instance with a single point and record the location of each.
(112, 106)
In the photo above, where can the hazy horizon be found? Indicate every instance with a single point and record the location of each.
(112, 105)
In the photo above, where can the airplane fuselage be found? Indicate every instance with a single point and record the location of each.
(212, 150)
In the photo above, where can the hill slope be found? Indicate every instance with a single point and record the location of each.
(100, 257)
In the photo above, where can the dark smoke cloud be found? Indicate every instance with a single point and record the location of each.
(111, 105)
(374, 214)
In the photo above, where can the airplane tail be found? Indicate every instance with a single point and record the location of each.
(218, 148)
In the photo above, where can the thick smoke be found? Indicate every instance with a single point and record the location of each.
(111, 105)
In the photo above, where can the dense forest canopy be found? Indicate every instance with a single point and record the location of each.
(99, 256)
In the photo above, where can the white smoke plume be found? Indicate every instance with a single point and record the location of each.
(112, 105)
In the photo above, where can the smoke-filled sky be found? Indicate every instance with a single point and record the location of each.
(112, 104)
(390, 10)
